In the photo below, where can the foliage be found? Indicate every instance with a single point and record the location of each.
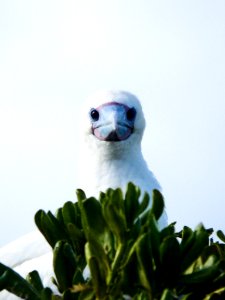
(128, 257)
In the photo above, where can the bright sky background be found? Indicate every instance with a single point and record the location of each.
(53, 54)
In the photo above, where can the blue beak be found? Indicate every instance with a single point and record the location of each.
(113, 122)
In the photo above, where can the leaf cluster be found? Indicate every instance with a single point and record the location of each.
(112, 248)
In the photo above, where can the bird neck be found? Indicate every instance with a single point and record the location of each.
(110, 165)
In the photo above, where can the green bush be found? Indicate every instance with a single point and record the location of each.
(127, 255)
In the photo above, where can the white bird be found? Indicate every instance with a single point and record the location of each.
(112, 127)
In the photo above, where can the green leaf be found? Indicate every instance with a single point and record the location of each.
(141, 296)
(157, 204)
(46, 294)
(94, 222)
(94, 249)
(50, 227)
(131, 203)
(187, 241)
(144, 261)
(168, 231)
(64, 263)
(34, 279)
(97, 269)
(195, 245)
(14, 283)
(78, 277)
(69, 213)
(170, 259)
(78, 240)
(69, 295)
(221, 235)
(167, 295)
(87, 295)
(203, 276)
(144, 204)
(154, 239)
(114, 213)
(80, 195)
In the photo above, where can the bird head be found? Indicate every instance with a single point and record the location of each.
(114, 119)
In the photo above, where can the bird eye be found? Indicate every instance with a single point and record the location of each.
(94, 114)
(131, 114)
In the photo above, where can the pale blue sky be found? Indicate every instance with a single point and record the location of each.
(53, 54)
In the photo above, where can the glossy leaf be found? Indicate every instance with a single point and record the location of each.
(167, 295)
(34, 279)
(157, 204)
(64, 263)
(131, 203)
(144, 261)
(50, 227)
(98, 272)
(194, 246)
(114, 213)
(221, 235)
(14, 283)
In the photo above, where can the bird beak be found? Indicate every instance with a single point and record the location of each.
(113, 125)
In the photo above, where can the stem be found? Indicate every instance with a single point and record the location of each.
(116, 263)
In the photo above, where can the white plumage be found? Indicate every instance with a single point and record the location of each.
(111, 130)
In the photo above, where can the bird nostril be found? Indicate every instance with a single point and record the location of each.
(131, 114)
(94, 114)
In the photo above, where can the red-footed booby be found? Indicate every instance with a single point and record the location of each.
(113, 124)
